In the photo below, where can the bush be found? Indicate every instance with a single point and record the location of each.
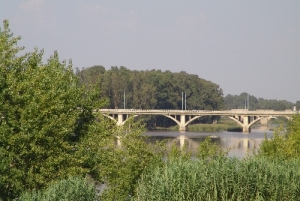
(69, 189)
(284, 145)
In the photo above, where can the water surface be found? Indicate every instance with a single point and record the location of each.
(240, 144)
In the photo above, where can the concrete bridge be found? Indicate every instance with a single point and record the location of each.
(243, 117)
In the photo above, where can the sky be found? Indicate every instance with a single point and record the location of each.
(248, 46)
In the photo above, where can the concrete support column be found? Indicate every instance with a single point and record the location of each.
(246, 121)
(182, 126)
(120, 121)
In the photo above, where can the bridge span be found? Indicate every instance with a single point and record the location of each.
(243, 117)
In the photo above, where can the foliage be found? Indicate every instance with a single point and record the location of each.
(209, 150)
(119, 167)
(154, 89)
(179, 153)
(221, 179)
(238, 102)
(67, 189)
(43, 113)
(49, 129)
(284, 145)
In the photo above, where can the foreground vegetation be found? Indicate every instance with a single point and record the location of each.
(221, 179)
(49, 132)
(72, 188)
(51, 140)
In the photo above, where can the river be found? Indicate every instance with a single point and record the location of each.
(239, 144)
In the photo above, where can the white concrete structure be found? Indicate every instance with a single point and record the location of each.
(243, 117)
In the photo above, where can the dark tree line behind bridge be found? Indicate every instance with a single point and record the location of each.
(240, 102)
(154, 89)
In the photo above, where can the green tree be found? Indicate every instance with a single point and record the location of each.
(284, 145)
(49, 129)
(43, 112)
(297, 105)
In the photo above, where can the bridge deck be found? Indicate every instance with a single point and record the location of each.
(200, 112)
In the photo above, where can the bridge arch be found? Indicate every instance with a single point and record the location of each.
(110, 117)
(246, 123)
(234, 119)
(191, 120)
(256, 120)
(119, 119)
(183, 118)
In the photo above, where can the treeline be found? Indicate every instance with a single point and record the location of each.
(241, 102)
(154, 89)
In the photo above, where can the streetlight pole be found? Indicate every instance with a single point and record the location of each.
(185, 100)
(248, 104)
(182, 100)
(124, 98)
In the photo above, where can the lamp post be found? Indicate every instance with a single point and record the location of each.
(124, 99)
(248, 104)
(185, 100)
(182, 100)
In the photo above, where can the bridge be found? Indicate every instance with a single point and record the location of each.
(243, 117)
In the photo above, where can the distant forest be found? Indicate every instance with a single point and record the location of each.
(240, 102)
(155, 89)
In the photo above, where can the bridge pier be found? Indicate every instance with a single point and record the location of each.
(246, 126)
(121, 119)
(246, 129)
(182, 126)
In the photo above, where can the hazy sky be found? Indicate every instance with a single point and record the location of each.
(244, 46)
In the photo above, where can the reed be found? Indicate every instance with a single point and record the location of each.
(221, 179)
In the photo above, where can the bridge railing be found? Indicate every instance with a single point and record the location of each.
(198, 112)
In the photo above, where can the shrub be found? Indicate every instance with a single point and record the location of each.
(69, 189)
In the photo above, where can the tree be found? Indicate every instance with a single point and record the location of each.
(49, 129)
(297, 105)
(285, 144)
(43, 113)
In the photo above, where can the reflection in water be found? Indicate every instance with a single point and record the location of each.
(240, 144)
